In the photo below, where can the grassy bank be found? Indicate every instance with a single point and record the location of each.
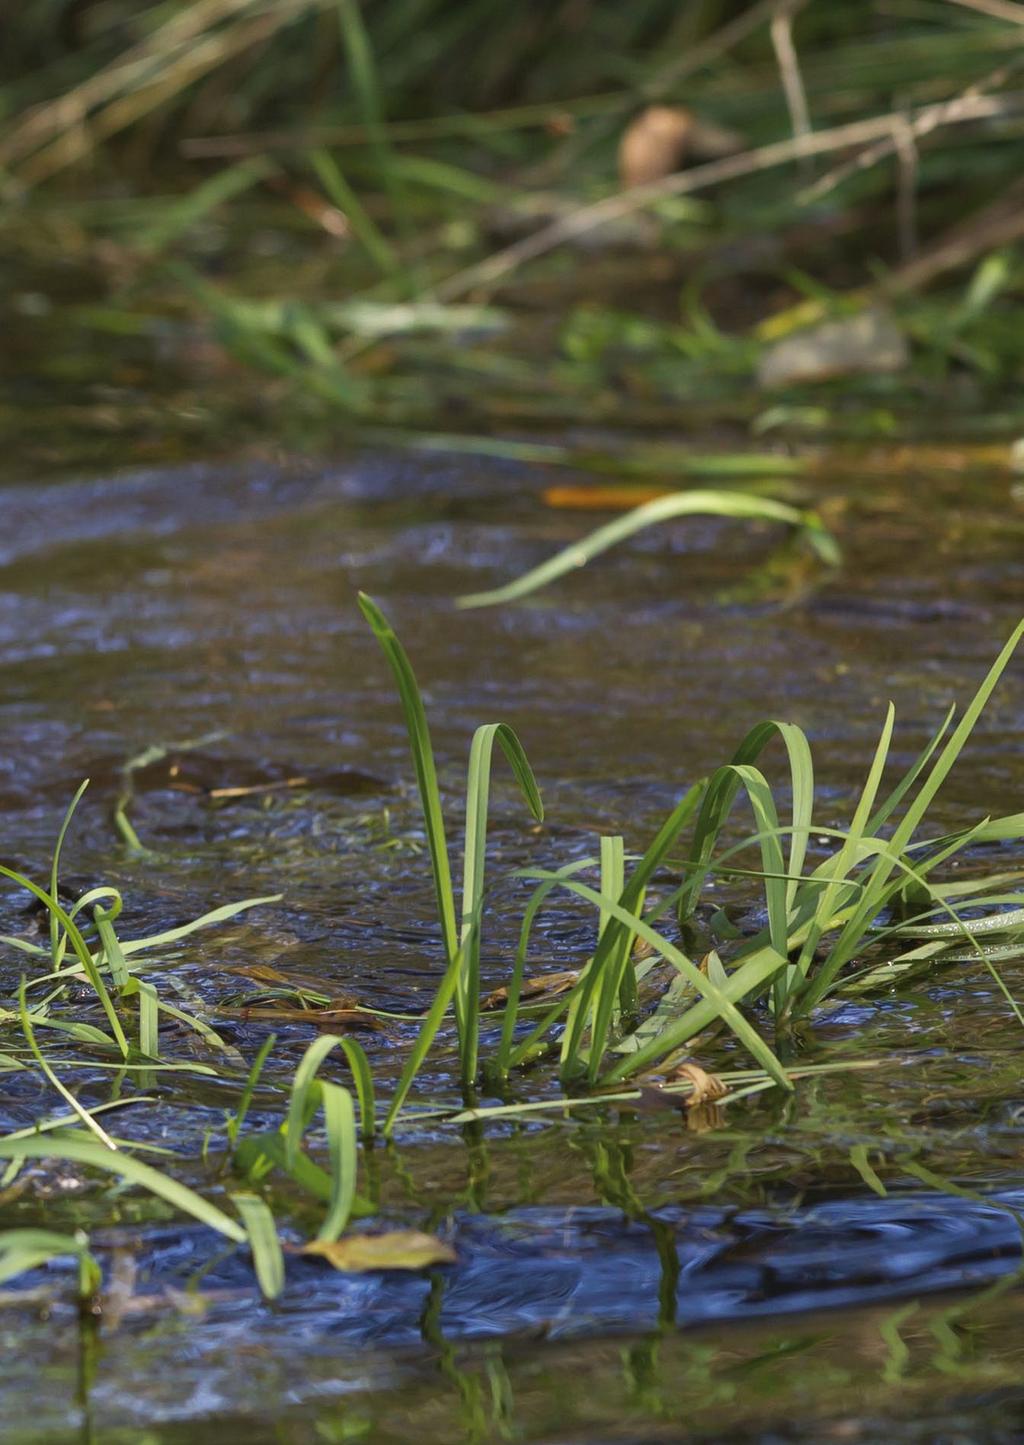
(427, 219)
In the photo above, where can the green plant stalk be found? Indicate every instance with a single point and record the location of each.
(264, 1243)
(423, 763)
(467, 994)
(55, 865)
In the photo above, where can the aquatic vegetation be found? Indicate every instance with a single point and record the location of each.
(846, 911)
(438, 186)
(662, 509)
(880, 888)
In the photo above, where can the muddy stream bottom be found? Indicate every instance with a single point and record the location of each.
(837, 1265)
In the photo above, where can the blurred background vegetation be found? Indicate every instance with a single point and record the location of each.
(430, 219)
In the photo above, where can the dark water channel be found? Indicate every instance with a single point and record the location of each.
(619, 1278)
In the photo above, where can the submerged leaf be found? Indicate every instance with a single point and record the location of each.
(399, 1249)
(544, 986)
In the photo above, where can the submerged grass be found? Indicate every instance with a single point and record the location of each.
(874, 908)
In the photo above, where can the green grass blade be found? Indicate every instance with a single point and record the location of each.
(662, 509)
(720, 1001)
(305, 1096)
(235, 1124)
(428, 1032)
(849, 851)
(95, 1156)
(149, 1015)
(111, 945)
(264, 1243)
(423, 762)
(911, 776)
(362, 1077)
(340, 1120)
(849, 939)
(205, 920)
(467, 995)
(55, 866)
(80, 947)
(24, 1249)
(341, 194)
(721, 794)
(65, 1093)
(306, 1090)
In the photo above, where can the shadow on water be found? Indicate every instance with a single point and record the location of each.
(620, 1280)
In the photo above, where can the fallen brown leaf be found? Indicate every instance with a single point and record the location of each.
(706, 1087)
(321, 1018)
(399, 1249)
(545, 985)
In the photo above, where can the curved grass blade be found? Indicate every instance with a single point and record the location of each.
(234, 1124)
(340, 1121)
(65, 1093)
(423, 762)
(870, 901)
(362, 1077)
(721, 794)
(80, 947)
(662, 509)
(96, 1156)
(305, 1096)
(104, 921)
(54, 867)
(264, 1243)
(215, 915)
(24, 1249)
(467, 994)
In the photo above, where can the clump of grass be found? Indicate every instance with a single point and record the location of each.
(882, 884)
(873, 910)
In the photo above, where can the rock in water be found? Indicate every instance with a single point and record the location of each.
(855, 345)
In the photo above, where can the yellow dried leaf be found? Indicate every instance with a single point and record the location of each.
(399, 1249)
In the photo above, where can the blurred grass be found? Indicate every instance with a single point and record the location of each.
(303, 189)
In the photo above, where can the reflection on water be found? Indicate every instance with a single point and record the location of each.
(619, 1278)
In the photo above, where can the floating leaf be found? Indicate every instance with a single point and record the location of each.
(399, 1249)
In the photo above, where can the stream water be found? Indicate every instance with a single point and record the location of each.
(619, 1277)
